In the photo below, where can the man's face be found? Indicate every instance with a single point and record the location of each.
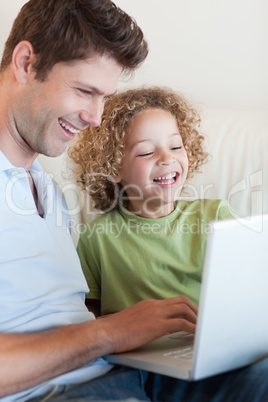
(49, 114)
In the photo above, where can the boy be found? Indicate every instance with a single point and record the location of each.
(151, 243)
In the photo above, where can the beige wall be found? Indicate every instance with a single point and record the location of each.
(214, 50)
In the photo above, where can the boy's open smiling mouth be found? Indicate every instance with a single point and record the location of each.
(166, 179)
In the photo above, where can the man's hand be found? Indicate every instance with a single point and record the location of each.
(147, 320)
(29, 359)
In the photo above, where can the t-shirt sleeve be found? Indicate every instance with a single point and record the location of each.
(225, 211)
(88, 253)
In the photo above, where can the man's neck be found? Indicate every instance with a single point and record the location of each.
(15, 152)
(11, 144)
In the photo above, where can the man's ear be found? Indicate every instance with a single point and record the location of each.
(22, 61)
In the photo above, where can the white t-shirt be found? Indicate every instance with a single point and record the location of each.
(41, 281)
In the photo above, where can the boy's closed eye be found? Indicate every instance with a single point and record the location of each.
(145, 154)
(176, 148)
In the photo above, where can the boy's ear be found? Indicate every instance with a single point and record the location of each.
(22, 61)
(117, 179)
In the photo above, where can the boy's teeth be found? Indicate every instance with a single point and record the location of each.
(169, 176)
(168, 179)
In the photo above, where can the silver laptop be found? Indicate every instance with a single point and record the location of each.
(232, 325)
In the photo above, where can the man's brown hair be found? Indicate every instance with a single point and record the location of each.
(65, 30)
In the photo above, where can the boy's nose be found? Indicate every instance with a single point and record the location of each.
(166, 159)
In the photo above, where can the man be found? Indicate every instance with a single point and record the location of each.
(61, 61)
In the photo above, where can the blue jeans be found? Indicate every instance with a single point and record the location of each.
(249, 384)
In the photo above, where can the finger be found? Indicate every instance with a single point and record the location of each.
(180, 303)
(177, 300)
(182, 325)
(182, 311)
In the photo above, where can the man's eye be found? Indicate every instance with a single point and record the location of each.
(84, 91)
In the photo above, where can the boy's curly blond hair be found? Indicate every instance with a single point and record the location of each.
(99, 150)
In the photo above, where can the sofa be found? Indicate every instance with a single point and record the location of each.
(237, 169)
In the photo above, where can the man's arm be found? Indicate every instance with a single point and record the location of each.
(29, 359)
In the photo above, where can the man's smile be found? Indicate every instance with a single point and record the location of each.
(68, 127)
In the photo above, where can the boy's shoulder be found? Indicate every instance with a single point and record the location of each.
(100, 223)
(103, 217)
(218, 208)
(203, 201)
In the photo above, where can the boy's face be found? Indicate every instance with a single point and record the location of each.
(155, 163)
(49, 114)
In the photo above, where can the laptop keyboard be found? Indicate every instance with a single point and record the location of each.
(184, 353)
(185, 347)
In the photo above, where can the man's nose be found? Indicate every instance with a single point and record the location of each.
(92, 114)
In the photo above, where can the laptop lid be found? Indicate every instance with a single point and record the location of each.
(232, 329)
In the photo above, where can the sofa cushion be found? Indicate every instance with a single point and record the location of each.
(238, 166)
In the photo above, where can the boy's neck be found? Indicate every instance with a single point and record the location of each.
(155, 212)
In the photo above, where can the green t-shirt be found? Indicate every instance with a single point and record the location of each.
(127, 258)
